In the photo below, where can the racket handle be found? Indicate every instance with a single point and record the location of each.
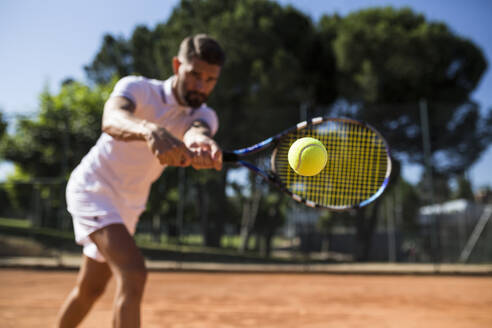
(229, 157)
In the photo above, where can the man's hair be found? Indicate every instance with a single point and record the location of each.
(202, 47)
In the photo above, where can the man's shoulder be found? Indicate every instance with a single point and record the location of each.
(140, 87)
(141, 80)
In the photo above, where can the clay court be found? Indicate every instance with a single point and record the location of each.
(30, 298)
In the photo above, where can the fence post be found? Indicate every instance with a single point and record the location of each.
(424, 121)
(475, 235)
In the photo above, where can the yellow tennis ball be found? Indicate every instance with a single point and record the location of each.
(307, 156)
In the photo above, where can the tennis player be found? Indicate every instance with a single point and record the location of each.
(147, 125)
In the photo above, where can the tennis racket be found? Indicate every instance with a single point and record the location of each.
(356, 173)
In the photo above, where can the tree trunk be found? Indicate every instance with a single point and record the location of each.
(156, 228)
(366, 222)
(250, 211)
(245, 233)
(266, 244)
(203, 210)
(213, 210)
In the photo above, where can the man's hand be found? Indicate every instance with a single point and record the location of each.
(169, 150)
(206, 153)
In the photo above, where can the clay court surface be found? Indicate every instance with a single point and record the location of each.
(31, 298)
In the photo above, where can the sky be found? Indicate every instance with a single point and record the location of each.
(44, 42)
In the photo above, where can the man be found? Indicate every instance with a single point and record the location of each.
(147, 125)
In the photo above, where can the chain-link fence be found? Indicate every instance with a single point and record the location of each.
(454, 231)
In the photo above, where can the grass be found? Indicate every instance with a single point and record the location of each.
(188, 248)
(190, 242)
(15, 223)
(228, 242)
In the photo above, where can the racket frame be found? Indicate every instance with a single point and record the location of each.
(272, 177)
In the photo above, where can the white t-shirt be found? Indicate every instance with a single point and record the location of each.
(115, 176)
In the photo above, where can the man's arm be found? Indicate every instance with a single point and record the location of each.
(207, 153)
(119, 122)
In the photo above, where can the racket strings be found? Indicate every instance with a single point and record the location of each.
(356, 169)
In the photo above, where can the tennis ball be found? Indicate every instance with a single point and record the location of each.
(307, 156)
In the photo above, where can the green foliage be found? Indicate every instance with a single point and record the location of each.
(46, 147)
(387, 55)
(3, 125)
(388, 60)
(18, 192)
(55, 140)
(463, 189)
(380, 62)
(114, 58)
(15, 223)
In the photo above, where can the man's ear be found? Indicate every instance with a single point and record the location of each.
(176, 64)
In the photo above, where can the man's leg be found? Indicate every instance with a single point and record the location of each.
(91, 282)
(128, 266)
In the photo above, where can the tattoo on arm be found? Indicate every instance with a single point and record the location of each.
(119, 121)
(128, 105)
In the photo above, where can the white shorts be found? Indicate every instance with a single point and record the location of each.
(83, 226)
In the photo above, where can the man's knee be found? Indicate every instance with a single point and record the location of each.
(133, 281)
(90, 290)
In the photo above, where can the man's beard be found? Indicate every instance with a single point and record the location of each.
(194, 99)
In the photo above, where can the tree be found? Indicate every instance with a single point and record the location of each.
(47, 146)
(3, 125)
(464, 188)
(377, 65)
(387, 61)
(55, 140)
(113, 59)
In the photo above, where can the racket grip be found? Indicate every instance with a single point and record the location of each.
(229, 157)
